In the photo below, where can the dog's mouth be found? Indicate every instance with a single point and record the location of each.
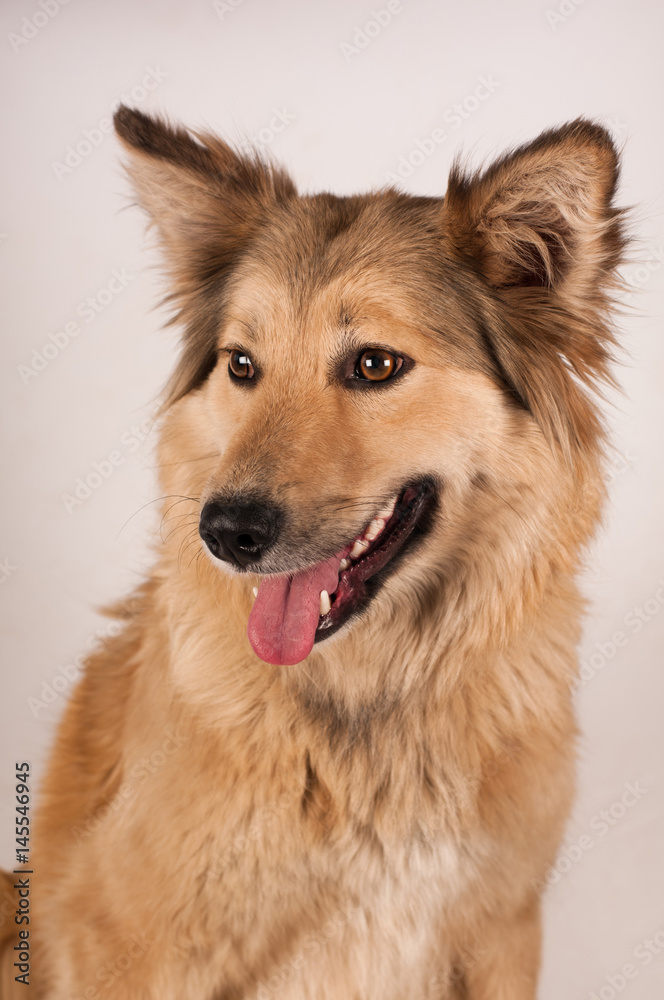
(291, 613)
(369, 556)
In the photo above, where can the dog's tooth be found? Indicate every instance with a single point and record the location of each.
(374, 529)
(358, 548)
(254, 591)
(387, 512)
(325, 604)
(344, 564)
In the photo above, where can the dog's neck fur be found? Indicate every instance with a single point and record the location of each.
(462, 663)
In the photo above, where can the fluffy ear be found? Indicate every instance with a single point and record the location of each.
(540, 229)
(207, 203)
(542, 215)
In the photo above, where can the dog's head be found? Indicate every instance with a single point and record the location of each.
(376, 391)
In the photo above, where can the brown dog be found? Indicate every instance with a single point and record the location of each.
(353, 784)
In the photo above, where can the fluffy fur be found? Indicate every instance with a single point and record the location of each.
(377, 821)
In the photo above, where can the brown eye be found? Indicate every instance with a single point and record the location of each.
(377, 365)
(240, 366)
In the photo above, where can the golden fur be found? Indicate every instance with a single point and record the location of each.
(377, 821)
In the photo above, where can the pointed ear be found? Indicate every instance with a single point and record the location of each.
(207, 203)
(539, 229)
(542, 215)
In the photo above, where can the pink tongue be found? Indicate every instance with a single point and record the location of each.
(283, 620)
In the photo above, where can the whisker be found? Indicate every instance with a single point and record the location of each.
(198, 564)
(168, 496)
(181, 500)
(196, 556)
(178, 527)
(164, 519)
(186, 544)
(200, 458)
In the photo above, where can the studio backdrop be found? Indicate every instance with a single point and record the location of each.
(349, 96)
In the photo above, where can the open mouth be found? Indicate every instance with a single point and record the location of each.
(293, 612)
(371, 557)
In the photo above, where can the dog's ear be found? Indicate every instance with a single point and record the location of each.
(207, 203)
(540, 229)
(542, 215)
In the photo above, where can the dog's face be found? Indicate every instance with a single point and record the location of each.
(339, 421)
(362, 379)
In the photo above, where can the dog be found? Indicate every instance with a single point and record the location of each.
(329, 751)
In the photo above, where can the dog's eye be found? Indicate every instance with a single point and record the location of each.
(240, 366)
(376, 365)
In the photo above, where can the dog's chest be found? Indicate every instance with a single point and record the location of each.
(347, 905)
(347, 919)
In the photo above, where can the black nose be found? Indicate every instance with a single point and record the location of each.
(239, 533)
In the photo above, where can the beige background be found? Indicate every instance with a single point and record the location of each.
(341, 118)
